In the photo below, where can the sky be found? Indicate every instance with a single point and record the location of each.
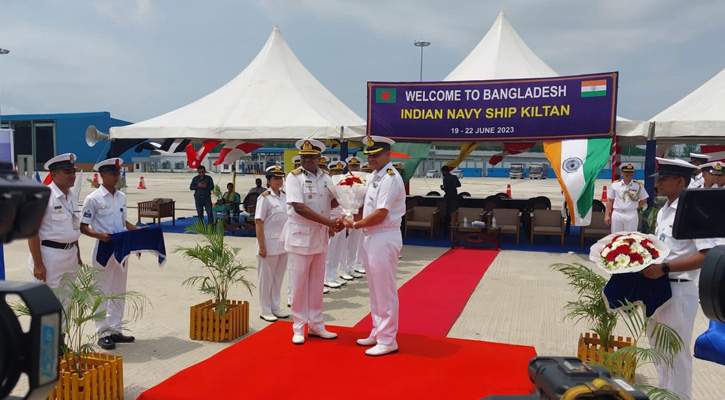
(139, 59)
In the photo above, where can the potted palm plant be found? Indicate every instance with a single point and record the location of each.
(619, 355)
(218, 319)
(83, 373)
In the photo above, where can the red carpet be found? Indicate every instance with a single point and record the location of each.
(432, 301)
(267, 365)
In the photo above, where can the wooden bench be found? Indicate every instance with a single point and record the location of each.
(157, 209)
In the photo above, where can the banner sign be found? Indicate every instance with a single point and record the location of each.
(566, 107)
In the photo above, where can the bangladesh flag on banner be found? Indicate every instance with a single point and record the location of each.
(385, 95)
(577, 164)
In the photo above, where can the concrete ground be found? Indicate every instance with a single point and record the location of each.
(518, 301)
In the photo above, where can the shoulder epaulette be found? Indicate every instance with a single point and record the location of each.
(391, 171)
(297, 171)
(265, 193)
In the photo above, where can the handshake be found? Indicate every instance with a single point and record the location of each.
(336, 225)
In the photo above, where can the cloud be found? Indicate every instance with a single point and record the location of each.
(141, 14)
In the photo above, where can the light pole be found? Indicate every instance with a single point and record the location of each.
(421, 45)
(3, 51)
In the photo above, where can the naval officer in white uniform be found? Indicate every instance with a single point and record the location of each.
(54, 251)
(626, 198)
(310, 196)
(682, 266)
(269, 219)
(384, 207)
(104, 213)
(697, 180)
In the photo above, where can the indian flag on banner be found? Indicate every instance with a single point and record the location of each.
(577, 163)
(385, 95)
(596, 88)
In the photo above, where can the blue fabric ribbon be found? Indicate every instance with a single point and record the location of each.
(122, 244)
(710, 345)
(636, 288)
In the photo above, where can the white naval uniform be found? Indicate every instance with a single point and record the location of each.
(381, 248)
(335, 249)
(106, 212)
(624, 209)
(697, 181)
(272, 210)
(306, 244)
(58, 225)
(680, 312)
(352, 258)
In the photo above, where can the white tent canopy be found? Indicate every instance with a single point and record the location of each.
(698, 117)
(274, 99)
(502, 54)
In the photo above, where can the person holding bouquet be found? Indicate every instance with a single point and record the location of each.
(682, 266)
(269, 219)
(335, 246)
(627, 196)
(353, 266)
(310, 196)
(380, 222)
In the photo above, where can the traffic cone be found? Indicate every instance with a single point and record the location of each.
(604, 195)
(141, 185)
(508, 190)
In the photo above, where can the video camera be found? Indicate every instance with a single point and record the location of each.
(35, 353)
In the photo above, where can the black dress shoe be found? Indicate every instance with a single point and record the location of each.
(106, 343)
(121, 338)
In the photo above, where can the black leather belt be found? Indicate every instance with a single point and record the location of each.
(679, 280)
(57, 245)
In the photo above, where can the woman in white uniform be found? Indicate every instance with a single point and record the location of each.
(269, 219)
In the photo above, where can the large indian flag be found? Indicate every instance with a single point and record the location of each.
(577, 163)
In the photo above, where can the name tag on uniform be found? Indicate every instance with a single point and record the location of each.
(105, 206)
(58, 210)
(375, 185)
(662, 237)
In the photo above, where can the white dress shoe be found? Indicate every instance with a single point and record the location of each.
(356, 274)
(347, 277)
(298, 339)
(332, 284)
(381, 350)
(323, 334)
(268, 317)
(325, 290)
(341, 282)
(360, 270)
(368, 341)
(280, 314)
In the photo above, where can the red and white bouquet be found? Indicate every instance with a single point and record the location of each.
(350, 189)
(628, 252)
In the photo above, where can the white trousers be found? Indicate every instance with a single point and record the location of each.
(58, 263)
(353, 254)
(270, 271)
(380, 259)
(680, 315)
(111, 281)
(335, 250)
(307, 274)
(625, 221)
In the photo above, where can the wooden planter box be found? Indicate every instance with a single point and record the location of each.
(102, 379)
(590, 351)
(207, 325)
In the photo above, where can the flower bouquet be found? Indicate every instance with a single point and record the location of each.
(627, 252)
(350, 189)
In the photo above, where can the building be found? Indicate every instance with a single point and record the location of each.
(40, 137)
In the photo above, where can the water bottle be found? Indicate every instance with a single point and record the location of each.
(493, 223)
(465, 222)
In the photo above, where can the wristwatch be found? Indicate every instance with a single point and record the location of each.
(666, 268)
(353, 225)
